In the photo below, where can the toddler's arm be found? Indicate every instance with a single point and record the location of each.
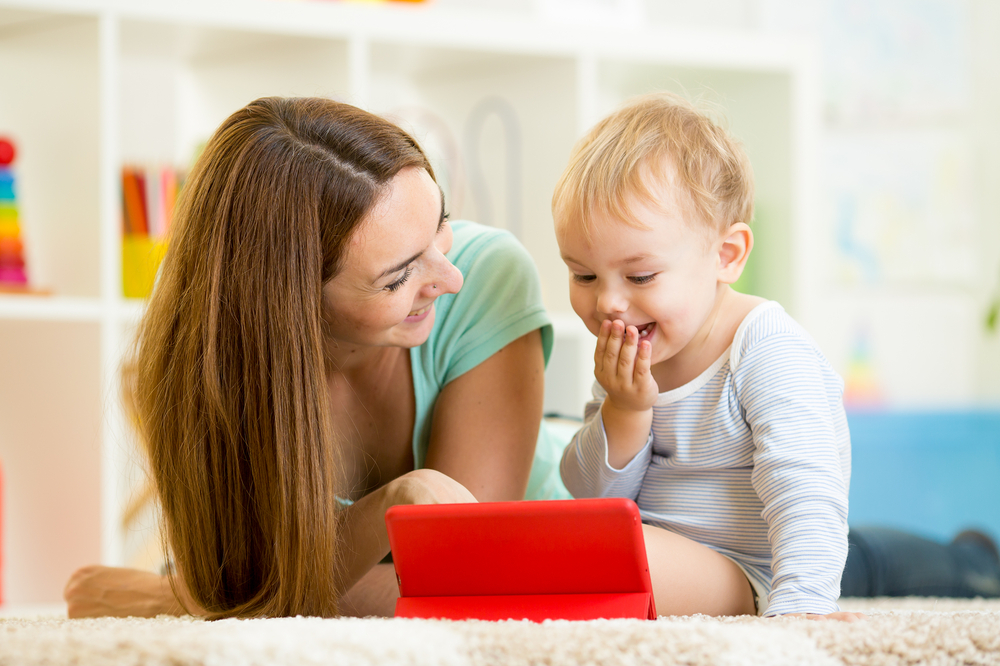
(608, 457)
(791, 399)
(584, 468)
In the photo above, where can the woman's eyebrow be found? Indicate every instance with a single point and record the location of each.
(398, 267)
(402, 265)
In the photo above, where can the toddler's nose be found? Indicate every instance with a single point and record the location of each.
(610, 303)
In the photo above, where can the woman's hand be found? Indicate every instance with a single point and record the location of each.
(98, 591)
(428, 486)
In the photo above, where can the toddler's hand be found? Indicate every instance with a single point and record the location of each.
(621, 365)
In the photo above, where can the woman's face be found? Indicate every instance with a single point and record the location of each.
(394, 268)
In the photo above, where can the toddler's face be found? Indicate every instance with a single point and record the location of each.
(662, 279)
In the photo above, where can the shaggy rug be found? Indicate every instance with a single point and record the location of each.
(898, 631)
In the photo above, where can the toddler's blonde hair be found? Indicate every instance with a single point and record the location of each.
(634, 148)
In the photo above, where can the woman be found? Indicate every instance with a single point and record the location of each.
(305, 351)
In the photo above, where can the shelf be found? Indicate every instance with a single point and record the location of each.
(130, 311)
(428, 25)
(50, 308)
(180, 81)
(49, 108)
(127, 311)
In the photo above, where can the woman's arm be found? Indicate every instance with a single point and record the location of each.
(363, 538)
(99, 591)
(486, 422)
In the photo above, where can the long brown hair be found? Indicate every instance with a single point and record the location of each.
(227, 378)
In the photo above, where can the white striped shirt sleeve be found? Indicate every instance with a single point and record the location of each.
(797, 472)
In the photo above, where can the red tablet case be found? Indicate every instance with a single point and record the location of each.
(557, 559)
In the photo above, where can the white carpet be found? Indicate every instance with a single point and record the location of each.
(899, 631)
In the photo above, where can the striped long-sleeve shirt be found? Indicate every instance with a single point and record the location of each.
(752, 459)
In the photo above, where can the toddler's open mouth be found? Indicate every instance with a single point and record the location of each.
(647, 330)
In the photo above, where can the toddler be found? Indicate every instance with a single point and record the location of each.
(713, 409)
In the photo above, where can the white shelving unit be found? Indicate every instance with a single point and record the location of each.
(91, 84)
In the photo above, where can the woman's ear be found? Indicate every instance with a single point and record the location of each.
(737, 242)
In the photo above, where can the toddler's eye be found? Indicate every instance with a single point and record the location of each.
(642, 279)
(582, 279)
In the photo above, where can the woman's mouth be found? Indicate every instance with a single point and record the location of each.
(419, 315)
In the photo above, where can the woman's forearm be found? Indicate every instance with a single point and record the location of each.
(363, 538)
(98, 591)
(375, 594)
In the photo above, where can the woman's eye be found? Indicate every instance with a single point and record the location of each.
(444, 221)
(399, 283)
(642, 279)
(583, 279)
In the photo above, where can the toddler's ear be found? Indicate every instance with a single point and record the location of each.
(737, 241)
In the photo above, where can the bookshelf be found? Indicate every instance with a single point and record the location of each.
(92, 85)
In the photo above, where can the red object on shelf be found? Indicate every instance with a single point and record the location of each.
(556, 559)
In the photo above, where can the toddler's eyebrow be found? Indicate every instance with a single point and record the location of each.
(634, 259)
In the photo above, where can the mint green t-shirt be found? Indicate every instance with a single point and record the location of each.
(499, 302)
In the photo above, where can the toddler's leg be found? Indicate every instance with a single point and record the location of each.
(690, 578)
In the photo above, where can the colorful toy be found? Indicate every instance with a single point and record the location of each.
(13, 276)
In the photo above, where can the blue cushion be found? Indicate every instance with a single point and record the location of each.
(931, 472)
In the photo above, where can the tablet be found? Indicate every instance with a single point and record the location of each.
(536, 560)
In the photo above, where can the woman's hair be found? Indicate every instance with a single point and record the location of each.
(632, 150)
(227, 379)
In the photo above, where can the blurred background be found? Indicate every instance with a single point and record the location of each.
(873, 127)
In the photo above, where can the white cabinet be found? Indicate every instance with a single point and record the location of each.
(89, 85)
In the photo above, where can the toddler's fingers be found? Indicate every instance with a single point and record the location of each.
(642, 361)
(602, 345)
(614, 347)
(626, 359)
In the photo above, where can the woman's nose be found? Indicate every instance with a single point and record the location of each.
(448, 279)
